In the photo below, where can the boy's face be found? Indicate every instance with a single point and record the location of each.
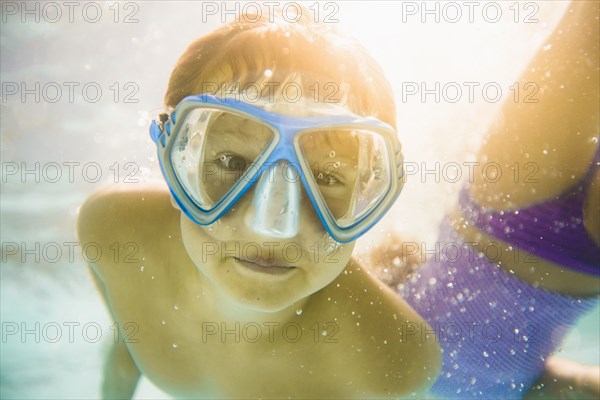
(262, 271)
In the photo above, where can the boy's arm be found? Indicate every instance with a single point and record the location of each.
(120, 374)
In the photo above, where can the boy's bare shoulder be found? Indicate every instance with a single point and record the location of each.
(120, 208)
(394, 338)
(126, 214)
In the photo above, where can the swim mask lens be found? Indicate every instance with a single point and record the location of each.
(212, 150)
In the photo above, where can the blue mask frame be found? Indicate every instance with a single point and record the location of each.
(284, 146)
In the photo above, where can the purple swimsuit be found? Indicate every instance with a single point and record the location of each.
(495, 330)
(552, 229)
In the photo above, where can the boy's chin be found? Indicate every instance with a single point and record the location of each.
(262, 302)
(265, 303)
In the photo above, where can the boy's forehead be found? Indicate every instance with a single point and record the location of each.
(302, 106)
(295, 93)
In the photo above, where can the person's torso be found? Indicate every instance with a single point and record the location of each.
(342, 345)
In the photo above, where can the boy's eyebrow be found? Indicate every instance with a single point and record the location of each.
(340, 144)
(236, 120)
(230, 132)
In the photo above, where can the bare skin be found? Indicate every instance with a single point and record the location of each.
(366, 352)
(567, 379)
(361, 364)
(558, 137)
(553, 142)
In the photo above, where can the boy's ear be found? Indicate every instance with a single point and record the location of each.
(174, 203)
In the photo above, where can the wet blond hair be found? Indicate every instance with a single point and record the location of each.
(251, 50)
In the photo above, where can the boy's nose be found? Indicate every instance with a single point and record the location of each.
(276, 202)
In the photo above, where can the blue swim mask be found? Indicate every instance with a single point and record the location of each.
(213, 150)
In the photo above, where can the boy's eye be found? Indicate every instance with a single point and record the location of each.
(232, 162)
(325, 178)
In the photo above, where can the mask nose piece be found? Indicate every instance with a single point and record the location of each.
(277, 202)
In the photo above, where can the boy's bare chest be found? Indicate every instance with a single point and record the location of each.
(230, 366)
(185, 351)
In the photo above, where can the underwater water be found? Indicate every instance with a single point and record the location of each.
(55, 327)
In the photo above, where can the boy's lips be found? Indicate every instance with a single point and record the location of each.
(265, 265)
